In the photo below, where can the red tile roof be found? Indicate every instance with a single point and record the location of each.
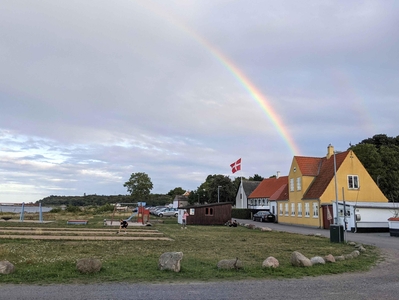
(281, 193)
(309, 166)
(269, 187)
(324, 175)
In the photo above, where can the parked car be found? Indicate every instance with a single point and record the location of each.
(169, 212)
(264, 216)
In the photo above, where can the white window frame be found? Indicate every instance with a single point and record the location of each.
(353, 182)
(280, 209)
(315, 210)
(292, 187)
(286, 209)
(298, 184)
(299, 209)
(293, 209)
(307, 210)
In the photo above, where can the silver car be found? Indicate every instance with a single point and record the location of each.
(169, 212)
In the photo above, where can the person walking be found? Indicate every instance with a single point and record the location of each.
(184, 219)
(123, 224)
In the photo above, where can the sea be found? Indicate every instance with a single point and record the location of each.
(27, 209)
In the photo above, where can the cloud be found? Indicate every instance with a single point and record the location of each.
(93, 91)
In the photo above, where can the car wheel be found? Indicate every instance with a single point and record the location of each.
(160, 215)
(253, 219)
(175, 215)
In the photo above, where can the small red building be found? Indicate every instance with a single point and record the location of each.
(207, 214)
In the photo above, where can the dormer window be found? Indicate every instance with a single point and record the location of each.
(298, 184)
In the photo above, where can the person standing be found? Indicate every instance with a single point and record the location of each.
(184, 219)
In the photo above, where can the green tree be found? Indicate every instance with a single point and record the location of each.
(256, 177)
(139, 186)
(176, 192)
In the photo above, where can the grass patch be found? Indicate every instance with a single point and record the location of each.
(41, 262)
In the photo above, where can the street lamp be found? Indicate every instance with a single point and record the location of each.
(218, 192)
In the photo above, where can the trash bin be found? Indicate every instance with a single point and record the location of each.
(336, 233)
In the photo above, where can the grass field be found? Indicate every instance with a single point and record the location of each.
(54, 261)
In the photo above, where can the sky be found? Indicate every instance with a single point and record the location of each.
(93, 91)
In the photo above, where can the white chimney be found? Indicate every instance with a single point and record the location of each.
(278, 175)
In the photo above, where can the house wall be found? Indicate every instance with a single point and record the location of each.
(241, 198)
(313, 219)
(368, 190)
(198, 215)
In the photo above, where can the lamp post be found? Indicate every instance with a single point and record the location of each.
(218, 192)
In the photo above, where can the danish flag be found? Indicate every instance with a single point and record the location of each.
(236, 166)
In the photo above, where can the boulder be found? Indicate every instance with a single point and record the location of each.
(351, 243)
(270, 262)
(361, 249)
(170, 261)
(251, 226)
(6, 267)
(88, 265)
(265, 229)
(348, 256)
(317, 260)
(355, 253)
(329, 258)
(339, 257)
(228, 264)
(300, 260)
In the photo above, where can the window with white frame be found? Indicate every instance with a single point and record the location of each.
(353, 182)
(286, 209)
(299, 209)
(298, 184)
(293, 209)
(315, 210)
(307, 210)
(280, 207)
(292, 184)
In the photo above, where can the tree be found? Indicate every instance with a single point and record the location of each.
(139, 186)
(256, 178)
(176, 192)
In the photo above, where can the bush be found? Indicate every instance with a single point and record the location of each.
(73, 209)
(105, 208)
(240, 213)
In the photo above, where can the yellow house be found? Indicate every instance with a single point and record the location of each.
(313, 188)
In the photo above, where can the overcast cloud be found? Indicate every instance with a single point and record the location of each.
(92, 91)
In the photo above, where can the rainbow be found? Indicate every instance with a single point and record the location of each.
(236, 72)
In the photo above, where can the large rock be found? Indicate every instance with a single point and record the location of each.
(300, 260)
(88, 265)
(266, 229)
(270, 262)
(230, 264)
(355, 253)
(339, 258)
(6, 267)
(329, 258)
(317, 260)
(170, 261)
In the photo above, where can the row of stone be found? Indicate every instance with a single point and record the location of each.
(171, 261)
